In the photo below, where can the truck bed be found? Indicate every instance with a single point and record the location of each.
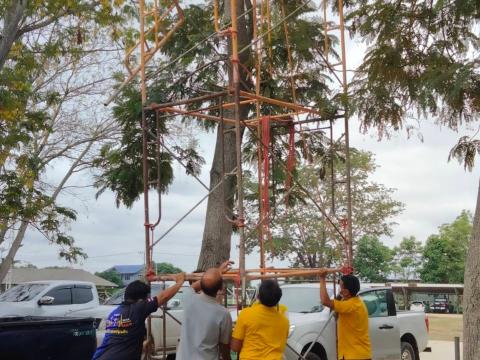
(33, 338)
(415, 323)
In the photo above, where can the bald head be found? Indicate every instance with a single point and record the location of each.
(211, 282)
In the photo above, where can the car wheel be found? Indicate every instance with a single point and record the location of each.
(408, 353)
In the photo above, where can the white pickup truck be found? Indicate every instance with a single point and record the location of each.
(394, 335)
(48, 298)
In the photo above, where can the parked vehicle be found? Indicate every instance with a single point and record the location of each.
(48, 298)
(394, 335)
(417, 306)
(440, 305)
(34, 338)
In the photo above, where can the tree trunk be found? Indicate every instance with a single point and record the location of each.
(217, 233)
(471, 294)
(13, 15)
(8, 261)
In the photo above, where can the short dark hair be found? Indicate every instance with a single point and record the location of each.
(351, 283)
(136, 290)
(213, 289)
(269, 293)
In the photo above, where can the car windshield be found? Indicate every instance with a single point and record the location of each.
(23, 292)
(302, 300)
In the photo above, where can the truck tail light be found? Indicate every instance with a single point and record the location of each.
(427, 323)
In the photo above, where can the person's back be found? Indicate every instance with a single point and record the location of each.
(207, 325)
(202, 326)
(352, 325)
(125, 326)
(125, 331)
(261, 331)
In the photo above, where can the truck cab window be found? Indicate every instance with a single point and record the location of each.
(376, 303)
(82, 295)
(61, 294)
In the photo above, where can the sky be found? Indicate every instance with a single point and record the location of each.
(433, 190)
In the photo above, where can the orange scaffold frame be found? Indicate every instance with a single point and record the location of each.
(292, 115)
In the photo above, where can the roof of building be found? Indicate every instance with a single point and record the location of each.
(21, 275)
(128, 269)
(423, 287)
(418, 285)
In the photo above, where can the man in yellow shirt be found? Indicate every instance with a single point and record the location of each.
(261, 331)
(352, 323)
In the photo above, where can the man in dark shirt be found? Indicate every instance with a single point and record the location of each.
(125, 326)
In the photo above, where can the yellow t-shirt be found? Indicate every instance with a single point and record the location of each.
(264, 332)
(352, 329)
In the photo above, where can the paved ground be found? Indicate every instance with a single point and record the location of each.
(441, 350)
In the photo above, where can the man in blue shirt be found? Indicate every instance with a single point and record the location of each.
(125, 326)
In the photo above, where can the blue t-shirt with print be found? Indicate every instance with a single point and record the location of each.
(125, 331)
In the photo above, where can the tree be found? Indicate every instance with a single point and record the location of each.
(112, 276)
(166, 268)
(422, 63)
(21, 18)
(301, 233)
(48, 85)
(372, 259)
(444, 253)
(407, 258)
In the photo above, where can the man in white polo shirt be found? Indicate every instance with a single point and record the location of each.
(207, 325)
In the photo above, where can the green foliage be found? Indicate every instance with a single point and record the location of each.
(444, 253)
(420, 62)
(112, 276)
(48, 31)
(407, 259)
(166, 268)
(301, 234)
(372, 259)
(465, 151)
(120, 162)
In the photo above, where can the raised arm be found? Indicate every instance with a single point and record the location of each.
(167, 294)
(324, 298)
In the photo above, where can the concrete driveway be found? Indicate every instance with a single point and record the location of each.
(441, 350)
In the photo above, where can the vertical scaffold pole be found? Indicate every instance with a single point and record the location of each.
(148, 249)
(238, 145)
(349, 249)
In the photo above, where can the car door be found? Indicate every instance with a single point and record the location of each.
(175, 313)
(382, 322)
(62, 301)
(82, 298)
